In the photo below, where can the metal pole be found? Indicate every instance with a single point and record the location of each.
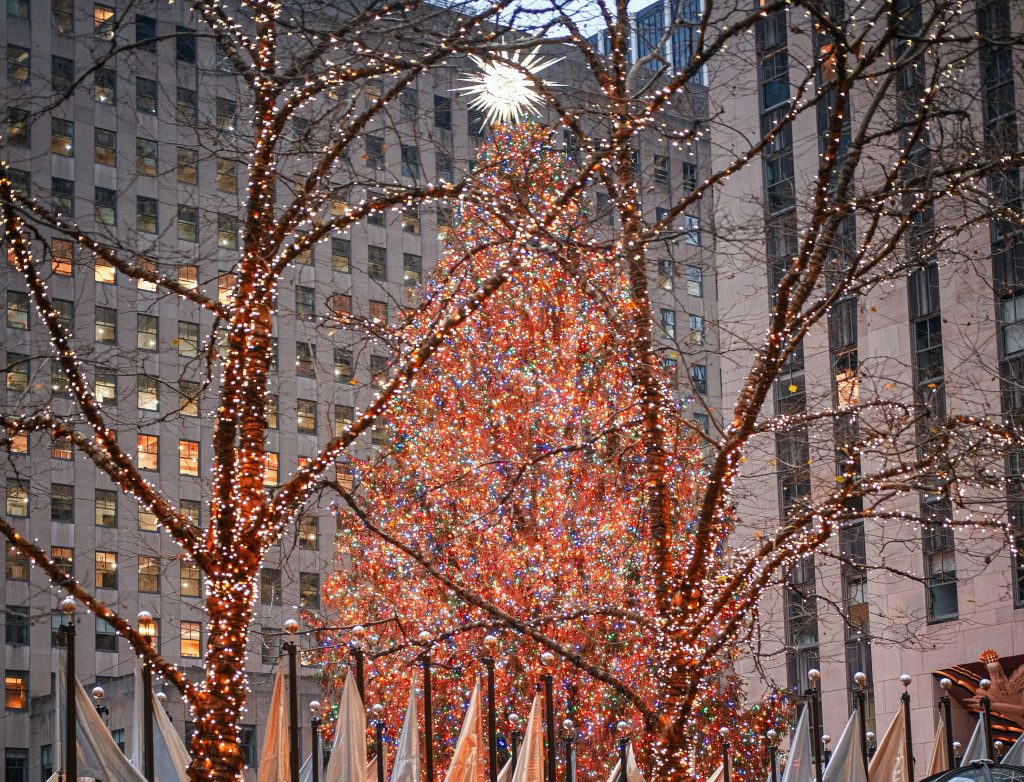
(357, 654)
(813, 703)
(314, 725)
(905, 698)
(492, 746)
(947, 719)
(986, 714)
(148, 764)
(293, 710)
(517, 736)
(378, 725)
(861, 679)
(725, 761)
(773, 752)
(570, 757)
(428, 717)
(623, 743)
(70, 711)
(552, 747)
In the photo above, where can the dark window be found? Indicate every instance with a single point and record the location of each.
(374, 152)
(145, 95)
(443, 112)
(62, 73)
(377, 263)
(774, 79)
(63, 191)
(185, 46)
(928, 363)
(62, 502)
(145, 33)
(105, 85)
(106, 636)
(15, 760)
(270, 586)
(476, 122)
(699, 378)
(309, 590)
(16, 627)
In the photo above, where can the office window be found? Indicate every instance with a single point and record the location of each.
(691, 229)
(106, 386)
(191, 639)
(16, 626)
(343, 415)
(103, 22)
(63, 16)
(105, 147)
(442, 112)
(62, 137)
(699, 378)
(17, 310)
(305, 301)
(21, 183)
(272, 411)
(225, 287)
(145, 157)
(149, 574)
(188, 223)
(62, 73)
(270, 586)
(62, 503)
(186, 106)
(603, 208)
(106, 570)
(106, 636)
(379, 310)
(145, 33)
(18, 128)
(411, 218)
(695, 281)
(148, 521)
(188, 398)
(410, 161)
(689, 177)
(192, 510)
(412, 269)
(19, 9)
(146, 215)
(305, 415)
(16, 760)
(378, 371)
(703, 422)
(61, 446)
(16, 566)
(341, 255)
(696, 330)
(271, 477)
(305, 364)
(661, 173)
(309, 590)
(188, 276)
(18, 371)
(374, 156)
(188, 457)
(377, 263)
(106, 508)
(476, 122)
(668, 323)
(146, 265)
(147, 393)
(16, 699)
(105, 86)
(106, 325)
(151, 631)
(309, 532)
(375, 217)
(19, 63)
(225, 114)
(18, 443)
(227, 176)
(227, 231)
(63, 191)
(247, 744)
(106, 206)
(191, 585)
(187, 166)
(104, 272)
(148, 332)
(303, 257)
(185, 45)
(62, 261)
(146, 95)
(64, 558)
(148, 452)
(409, 103)
(445, 169)
(270, 647)
(188, 338)
(666, 274)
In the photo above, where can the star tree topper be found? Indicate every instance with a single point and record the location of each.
(503, 87)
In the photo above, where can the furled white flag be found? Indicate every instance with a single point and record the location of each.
(467, 759)
(348, 757)
(170, 758)
(530, 758)
(938, 761)
(1015, 755)
(275, 760)
(505, 775)
(977, 747)
(98, 756)
(407, 755)
(633, 773)
(718, 774)
(889, 763)
(798, 765)
(847, 761)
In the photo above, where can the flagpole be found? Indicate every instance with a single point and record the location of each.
(490, 642)
(314, 740)
(516, 737)
(356, 649)
(773, 751)
(861, 679)
(623, 744)
(428, 713)
(986, 714)
(947, 684)
(813, 694)
(147, 630)
(905, 680)
(723, 732)
(569, 737)
(378, 734)
(290, 627)
(68, 606)
(549, 707)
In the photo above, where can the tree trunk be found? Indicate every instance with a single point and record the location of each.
(216, 752)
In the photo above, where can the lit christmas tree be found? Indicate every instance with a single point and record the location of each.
(513, 487)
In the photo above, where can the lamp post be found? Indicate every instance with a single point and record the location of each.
(772, 737)
(999, 751)
(378, 735)
(569, 748)
(905, 680)
(516, 736)
(869, 737)
(314, 739)
(548, 659)
(428, 711)
(958, 753)
(723, 734)
(861, 679)
(826, 753)
(944, 703)
(622, 728)
(813, 694)
(147, 629)
(356, 648)
(291, 626)
(97, 695)
(68, 606)
(490, 644)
